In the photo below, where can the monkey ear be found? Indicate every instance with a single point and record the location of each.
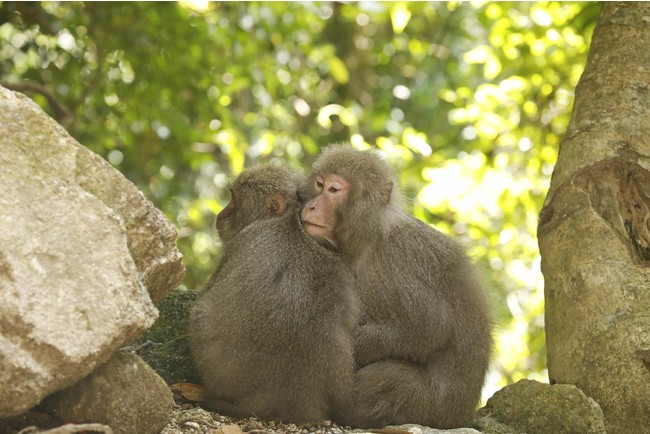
(276, 204)
(386, 191)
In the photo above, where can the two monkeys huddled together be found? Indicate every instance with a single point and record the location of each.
(331, 302)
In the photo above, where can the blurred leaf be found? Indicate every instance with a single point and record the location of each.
(338, 70)
(400, 16)
(189, 391)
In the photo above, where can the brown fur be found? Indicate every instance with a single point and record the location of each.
(424, 343)
(271, 335)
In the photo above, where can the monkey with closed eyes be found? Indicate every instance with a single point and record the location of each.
(271, 335)
(423, 344)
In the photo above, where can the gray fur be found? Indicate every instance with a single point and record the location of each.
(424, 343)
(271, 335)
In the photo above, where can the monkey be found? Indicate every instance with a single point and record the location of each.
(423, 343)
(258, 193)
(271, 334)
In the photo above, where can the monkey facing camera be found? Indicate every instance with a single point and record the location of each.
(271, 334)
(423, 344)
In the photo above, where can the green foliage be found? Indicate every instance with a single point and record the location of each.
(468, 101)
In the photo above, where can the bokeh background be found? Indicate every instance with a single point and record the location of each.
(468, 102)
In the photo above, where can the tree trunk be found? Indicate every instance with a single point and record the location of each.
(594, 229)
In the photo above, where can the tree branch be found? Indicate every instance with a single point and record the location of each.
(61, 113)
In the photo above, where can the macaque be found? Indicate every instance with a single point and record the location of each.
(271, 335)
(423, 344)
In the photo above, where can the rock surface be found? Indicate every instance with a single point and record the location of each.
(124, 393)
(151, 237)
(81, 251)
(532, 407)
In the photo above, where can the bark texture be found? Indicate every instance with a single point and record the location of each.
(594, 230)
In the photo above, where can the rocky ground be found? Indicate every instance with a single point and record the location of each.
(189, 418)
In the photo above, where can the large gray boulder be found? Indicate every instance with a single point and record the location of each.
(82, 253)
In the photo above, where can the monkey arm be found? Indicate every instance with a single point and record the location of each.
(371, 344)
(415, 337)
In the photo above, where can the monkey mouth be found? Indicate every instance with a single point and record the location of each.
(306, 222)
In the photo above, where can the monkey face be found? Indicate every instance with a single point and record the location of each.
(319, 216)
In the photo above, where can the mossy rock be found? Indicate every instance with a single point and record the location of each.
(168, 352)
(532, 407)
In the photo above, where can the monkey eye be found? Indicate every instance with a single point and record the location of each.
(334, 190)
(319, 184)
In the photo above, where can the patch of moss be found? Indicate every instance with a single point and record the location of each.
(168, 351)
